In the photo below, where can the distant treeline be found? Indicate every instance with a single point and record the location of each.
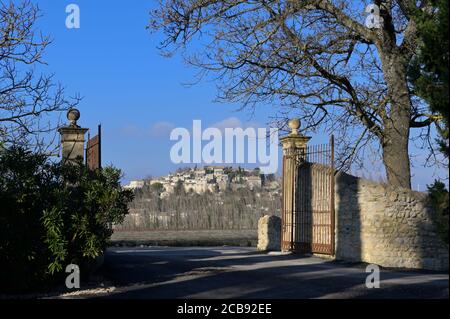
(238, 209)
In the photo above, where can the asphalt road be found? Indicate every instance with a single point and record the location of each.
(238, 272)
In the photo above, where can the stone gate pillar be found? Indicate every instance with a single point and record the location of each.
(72, 138)
(294, 151)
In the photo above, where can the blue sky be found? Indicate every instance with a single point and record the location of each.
(137, 95)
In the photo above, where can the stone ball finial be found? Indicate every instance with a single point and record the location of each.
(73, 115)
(294, 125)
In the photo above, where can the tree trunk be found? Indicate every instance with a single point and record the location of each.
(396, 157)
(395, 141)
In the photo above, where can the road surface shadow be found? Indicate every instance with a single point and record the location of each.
(227, 272)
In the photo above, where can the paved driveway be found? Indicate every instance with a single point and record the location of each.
(238, 272)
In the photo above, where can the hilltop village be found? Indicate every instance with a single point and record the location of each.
(210, 197)
(208, 178)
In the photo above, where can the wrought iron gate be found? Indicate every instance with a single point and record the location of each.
(308, 226)
(94, 150)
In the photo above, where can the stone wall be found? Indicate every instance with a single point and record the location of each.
(269, 233)
(379, 224)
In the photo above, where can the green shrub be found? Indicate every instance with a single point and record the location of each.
(53, 215)
(439, 199)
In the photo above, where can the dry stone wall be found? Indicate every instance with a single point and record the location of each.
(269, 233)
(391, 227)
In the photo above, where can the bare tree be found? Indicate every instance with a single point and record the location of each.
(26, 96)
(316, 58)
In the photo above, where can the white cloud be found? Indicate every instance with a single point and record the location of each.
(234, 122)
(161, 129)
(132, 131)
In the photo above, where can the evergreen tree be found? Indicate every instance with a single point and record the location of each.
(429, 69)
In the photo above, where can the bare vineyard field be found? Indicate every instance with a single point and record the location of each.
(185, 238)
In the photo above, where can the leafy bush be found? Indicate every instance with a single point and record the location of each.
(52, 215)
(439, 199)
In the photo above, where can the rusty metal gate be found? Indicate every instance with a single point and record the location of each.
(94, 150)
(308, 226)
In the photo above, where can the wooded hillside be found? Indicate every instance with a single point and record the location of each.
(238, 209)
